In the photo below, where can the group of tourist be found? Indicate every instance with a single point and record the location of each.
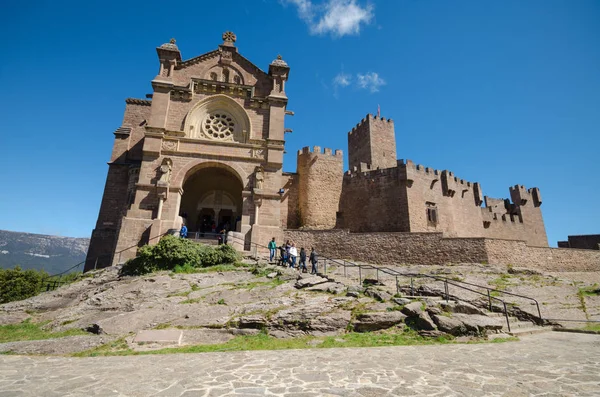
(289, 255)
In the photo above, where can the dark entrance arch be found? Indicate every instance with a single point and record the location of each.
(211, 195)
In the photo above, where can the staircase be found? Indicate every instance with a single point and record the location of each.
(518, 327)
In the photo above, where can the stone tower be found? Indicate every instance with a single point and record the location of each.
(320, 177)
(373, 143)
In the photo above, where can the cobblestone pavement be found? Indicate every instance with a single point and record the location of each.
(552, 363)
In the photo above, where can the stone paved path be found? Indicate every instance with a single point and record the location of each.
(546, 364)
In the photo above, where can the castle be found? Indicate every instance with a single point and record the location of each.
(207, 146)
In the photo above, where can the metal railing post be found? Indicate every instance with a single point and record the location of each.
(377, 274)
(325, 266)
(446, 290)
(506, 315)
(397, 286)
(489, 299)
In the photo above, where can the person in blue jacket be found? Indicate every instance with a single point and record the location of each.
(183, 232)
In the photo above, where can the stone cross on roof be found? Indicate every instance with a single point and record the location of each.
(229, 38)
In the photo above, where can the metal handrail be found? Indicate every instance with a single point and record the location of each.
(508, 293)
(57, 283)
(446, 281)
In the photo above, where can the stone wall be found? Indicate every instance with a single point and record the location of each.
(586, 241)
(390, 248)
(453, 199)
(517, 253)
(434, 249)
(289, 201)
(374, 201)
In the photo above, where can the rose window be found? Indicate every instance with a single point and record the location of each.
(219, 125)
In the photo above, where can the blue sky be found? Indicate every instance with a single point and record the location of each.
(499, 92)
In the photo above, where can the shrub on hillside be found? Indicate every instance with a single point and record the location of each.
(17, 284)
(173, 251)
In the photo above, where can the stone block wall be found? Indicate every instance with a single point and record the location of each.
(587, 241)
(390, 248)
(434, 249)
(454, 200)
(290, 218)
(112, 208)
(137, 114)
(511, 252)
(374, 201)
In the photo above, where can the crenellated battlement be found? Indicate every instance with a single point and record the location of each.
(411, 166)
(377, 173)
(489, 217)
(364, 123)
(520, 195)
(316, 150)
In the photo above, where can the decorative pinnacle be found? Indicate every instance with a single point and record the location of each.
(229, 37)
(172, 41)
(279, 62)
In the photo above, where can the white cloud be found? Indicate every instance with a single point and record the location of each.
(342, 80)
(338, 17)
(367, 81)
(305, 9)
(370, 81)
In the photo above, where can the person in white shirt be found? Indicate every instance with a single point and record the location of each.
(293, 255)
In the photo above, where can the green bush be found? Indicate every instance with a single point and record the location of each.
(176, 253)
(17, 284)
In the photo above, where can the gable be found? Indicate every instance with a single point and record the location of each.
(223, 65)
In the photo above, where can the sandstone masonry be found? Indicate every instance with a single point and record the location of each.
(206, 150)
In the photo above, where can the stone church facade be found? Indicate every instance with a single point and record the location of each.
(207, 146)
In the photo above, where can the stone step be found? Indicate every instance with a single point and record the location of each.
(528, 331)
(520, 324)
(436, 299)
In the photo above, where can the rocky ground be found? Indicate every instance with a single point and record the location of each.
(215, 307)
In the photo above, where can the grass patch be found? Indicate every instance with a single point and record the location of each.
(262, 341)
(594, 290)
(500, 283)
(183, 293)
(190, 301)
(32, 331)
(255, 284)
(115, 348)
(221, 302)
(581, 294)
(163, 326)
(230, 267)
(592, 327)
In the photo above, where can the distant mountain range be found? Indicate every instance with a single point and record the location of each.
(53, 254)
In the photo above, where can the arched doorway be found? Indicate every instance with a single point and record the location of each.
(212, 196)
